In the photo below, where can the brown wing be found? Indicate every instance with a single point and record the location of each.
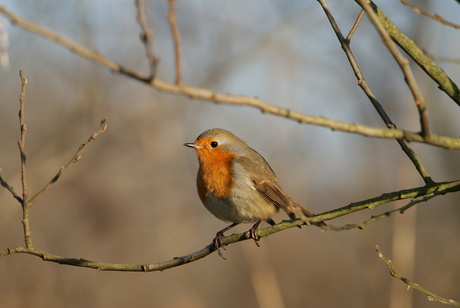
(271, 190)
(273, 194)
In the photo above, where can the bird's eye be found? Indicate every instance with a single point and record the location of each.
(214, 144)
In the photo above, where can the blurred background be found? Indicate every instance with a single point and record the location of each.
(132, 197)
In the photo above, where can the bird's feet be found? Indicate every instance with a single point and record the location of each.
(253, 232)
(217, 242)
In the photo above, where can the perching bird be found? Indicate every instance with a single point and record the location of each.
(236, 184)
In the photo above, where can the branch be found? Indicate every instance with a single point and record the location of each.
(426, 64)
(205, 94)
(435, 190)
(21, 143)
(22, 140)
(355, 25)
(171, 15)
(345, 43)
(373, 218)
(10, 188)
(412, 193)
(146, 38)
(74, 159)
(431, 296)
(404, 65)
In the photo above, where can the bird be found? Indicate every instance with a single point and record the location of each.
(236, 184)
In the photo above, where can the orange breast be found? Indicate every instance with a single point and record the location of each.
(215, 173)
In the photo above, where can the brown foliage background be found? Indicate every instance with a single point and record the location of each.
(132, 199)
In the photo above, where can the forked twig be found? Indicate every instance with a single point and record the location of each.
(404, 65)
(444, 82)
(345, 43)
(74, 159)
(25, 202)
(355, 25)
(374, 218)
(431, 296)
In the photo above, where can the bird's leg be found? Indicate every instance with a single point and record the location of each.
(253, 231)
(217, 241)
(270, 221)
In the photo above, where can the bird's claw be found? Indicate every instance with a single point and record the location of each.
(254, 236)
(217, 242)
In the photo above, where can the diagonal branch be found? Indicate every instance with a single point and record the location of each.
(10, 188)
(431, 296)
(75, 158)
(404, 65)
(345, 43)
(426, 64)
(436, 189)
(374, 218)
(435, 16)
(355, 25)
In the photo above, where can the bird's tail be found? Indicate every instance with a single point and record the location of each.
(304, 214)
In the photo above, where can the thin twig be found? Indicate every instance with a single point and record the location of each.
(205, 94)
(21, 143)
(22, 139)
(171, 15)
(146, 37)
(404, 65)
(10, 188)
(345, 43)
(355, 25)
(431, 296)
(413, 193)
(74, 159)
(442, 59)
(435, 16)
(374, 218)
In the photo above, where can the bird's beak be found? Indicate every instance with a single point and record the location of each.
(193, 145)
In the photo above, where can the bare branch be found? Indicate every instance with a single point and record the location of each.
(146, 37)
(442, 59)
(431, 296)
(404, 65)
(22, 140)
(74, 159)
(426, 64)
(10, 188)
(355, 25)
(419, 193)
(171, 15)
(373, 218)
(412, 193)
(21, 143)
(345, 43)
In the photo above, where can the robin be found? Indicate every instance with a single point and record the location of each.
(236, 184)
